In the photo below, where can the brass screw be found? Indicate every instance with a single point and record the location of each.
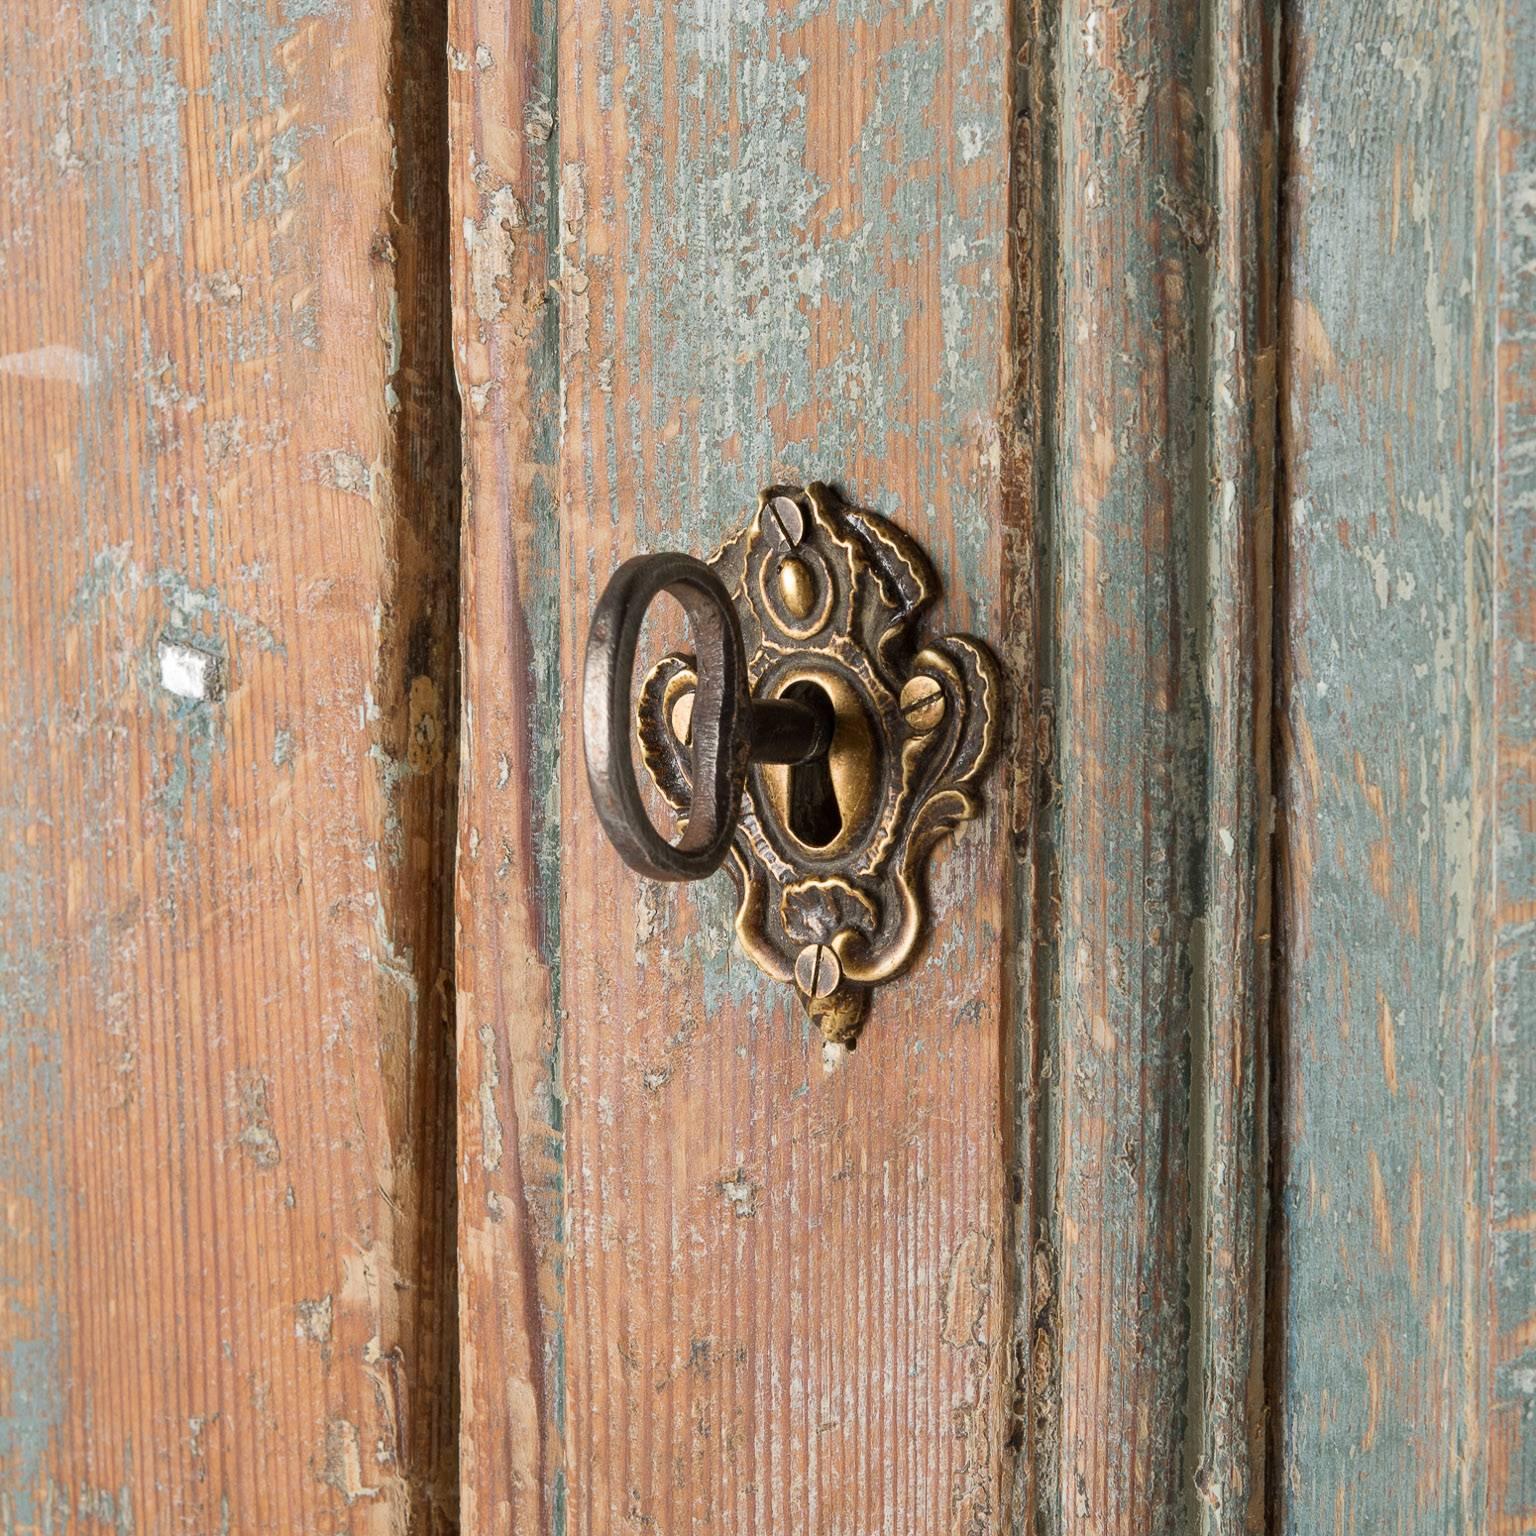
(682, 718)
(817, 972)
(922, 704)
(784, 522)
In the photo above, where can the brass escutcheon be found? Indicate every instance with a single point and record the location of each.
(848, 749)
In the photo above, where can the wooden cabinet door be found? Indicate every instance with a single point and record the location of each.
(228, 592)
(1186, 1184)
(379, 1154)
(708, 1284)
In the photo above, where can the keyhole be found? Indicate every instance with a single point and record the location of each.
(814, 814)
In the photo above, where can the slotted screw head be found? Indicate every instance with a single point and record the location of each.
(922, 704)
(817, 971)
(784, 521)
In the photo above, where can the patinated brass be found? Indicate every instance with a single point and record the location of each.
(829, 858)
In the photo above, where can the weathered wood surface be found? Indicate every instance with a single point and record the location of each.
(1229, 1055)
(503, 175)
(1383, 1022)
(1154, 654)
(1512, 1431)
(1004, 1266)
(1125, 770)
(783, 255)
(226, 1241)
(783, 1298)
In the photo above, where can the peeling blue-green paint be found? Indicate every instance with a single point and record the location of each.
(762, 252)
(1383, 1027)
(110, 592)
(1512, 1475)
(122, 148)
(171, 298)
(133, 151)
(33, 1394)
(34, 1391)
(185, 773)
(542, 605)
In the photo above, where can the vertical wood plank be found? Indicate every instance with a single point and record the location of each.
(784, 255)
(505, 142)
(1384, 993)
(1127, 773)
(1229, 1063)
(1152, 924)
(227, 517)
(1512, 1434)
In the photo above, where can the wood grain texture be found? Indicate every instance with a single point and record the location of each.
(1383, 1025)
(1126, 761)
(1154, 933)
(773, 267)
(225, 1128)
(1233, 942)
(504, 170)
(1152, 928)
(783, 255)
(1512, 1432)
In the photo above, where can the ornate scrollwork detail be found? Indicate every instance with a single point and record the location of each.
(830, 858)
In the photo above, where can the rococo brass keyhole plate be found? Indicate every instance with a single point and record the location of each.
(858, 748)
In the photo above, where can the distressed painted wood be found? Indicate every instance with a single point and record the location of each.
(227, 522)
(1512, 1428)
(1380, 1323)
(1126, 766)
(1232, 942)
(504, 168)
(782, 251)
(1009, 273)
(783, 255)
(1154, 660)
